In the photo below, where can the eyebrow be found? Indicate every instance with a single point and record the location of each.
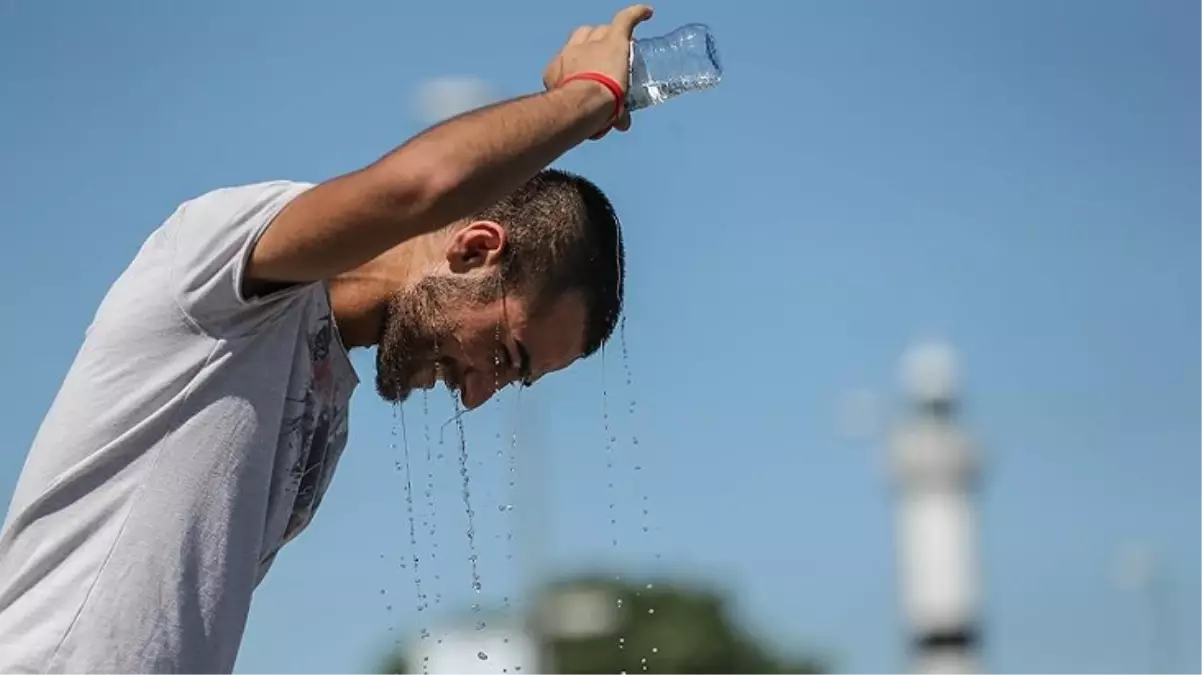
(523, 362)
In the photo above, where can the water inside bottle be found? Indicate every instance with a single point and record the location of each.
(664, 67)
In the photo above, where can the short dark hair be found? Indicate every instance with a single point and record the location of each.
(564, 236)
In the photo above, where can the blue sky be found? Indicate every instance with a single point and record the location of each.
(1020, 178)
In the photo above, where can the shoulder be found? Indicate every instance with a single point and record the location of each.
(212, 237)
(242, 200)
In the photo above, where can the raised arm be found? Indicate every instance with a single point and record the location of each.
(451, 170)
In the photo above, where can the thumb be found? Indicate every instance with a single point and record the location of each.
(626, 19)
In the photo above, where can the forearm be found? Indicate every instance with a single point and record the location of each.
(475, 159)
(445, 173)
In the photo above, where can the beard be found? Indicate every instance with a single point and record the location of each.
(417, 323)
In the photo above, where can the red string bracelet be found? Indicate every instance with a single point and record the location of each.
(610, 84)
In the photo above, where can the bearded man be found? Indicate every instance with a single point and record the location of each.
(203, 417)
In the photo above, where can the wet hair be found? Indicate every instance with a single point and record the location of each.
(564, 237)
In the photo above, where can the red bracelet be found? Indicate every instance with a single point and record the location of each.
(613, 87)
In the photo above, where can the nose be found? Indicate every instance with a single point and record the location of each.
(478, 387)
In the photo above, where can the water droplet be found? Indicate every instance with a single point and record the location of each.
(482, 656)
(655, 650)
(382, 591)
(388, 607)
(650, 586)
(651, 610)
(505, 507)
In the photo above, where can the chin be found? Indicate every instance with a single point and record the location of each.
(390, 391)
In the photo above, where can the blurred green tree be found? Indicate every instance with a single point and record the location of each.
(394, 663)
(676, 628)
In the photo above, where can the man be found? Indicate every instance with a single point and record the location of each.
(202, 420)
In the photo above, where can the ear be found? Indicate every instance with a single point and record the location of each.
(478, 244)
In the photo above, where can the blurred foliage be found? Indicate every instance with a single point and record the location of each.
(393, 663)
(677, 629)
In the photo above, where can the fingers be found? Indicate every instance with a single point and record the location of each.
(625, 20)
(580, 35)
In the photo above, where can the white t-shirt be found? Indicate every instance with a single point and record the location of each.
(194, 435)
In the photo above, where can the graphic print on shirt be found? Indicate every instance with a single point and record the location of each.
(315, 431)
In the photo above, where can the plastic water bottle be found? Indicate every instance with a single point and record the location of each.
(664, 67)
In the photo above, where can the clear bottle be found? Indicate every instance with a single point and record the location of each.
(669, 65)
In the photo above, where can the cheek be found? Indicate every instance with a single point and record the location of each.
(478, 351)
(476, 339)
(410, 343)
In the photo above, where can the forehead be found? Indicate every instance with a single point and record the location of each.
(554, 336)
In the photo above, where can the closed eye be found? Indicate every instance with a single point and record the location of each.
(506, 363)
(504, 359)
(523, 363)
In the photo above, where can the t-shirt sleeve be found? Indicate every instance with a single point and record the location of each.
(212, 238)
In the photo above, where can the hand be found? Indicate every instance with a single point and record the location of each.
(602, 49)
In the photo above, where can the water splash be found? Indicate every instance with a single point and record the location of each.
(508, 452)
(641, 482)
(508, 455)
(473, 557)
(610, 439)
(398, 420)
(431, 504)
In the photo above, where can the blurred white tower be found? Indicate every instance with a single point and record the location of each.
(936, 470)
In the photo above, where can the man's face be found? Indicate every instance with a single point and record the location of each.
(460, 329)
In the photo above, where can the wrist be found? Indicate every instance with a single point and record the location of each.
(593, 97)
(600, 94)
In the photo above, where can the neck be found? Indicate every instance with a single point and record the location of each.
(359, 297)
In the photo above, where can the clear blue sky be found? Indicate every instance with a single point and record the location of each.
(1020, 177)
